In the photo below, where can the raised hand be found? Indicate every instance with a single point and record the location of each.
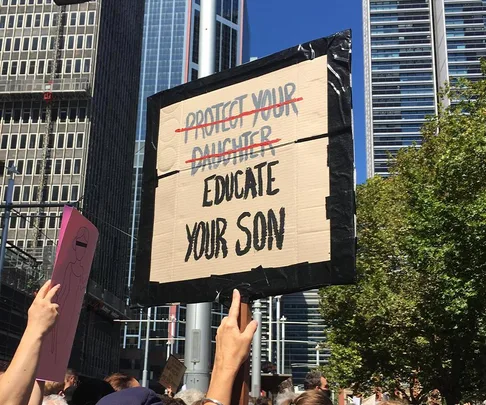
(43, 312)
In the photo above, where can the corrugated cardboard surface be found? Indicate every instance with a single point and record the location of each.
(301, 175)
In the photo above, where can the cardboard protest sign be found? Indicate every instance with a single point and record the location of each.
(75, 252)
(249, 180)
(172, 374)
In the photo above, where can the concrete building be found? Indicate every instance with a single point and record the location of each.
(412, 47)
(68, 102)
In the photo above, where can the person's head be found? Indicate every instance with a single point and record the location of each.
(312, 397)
(314, 380)
(132, 396)
(176, 401)
(54, 400)
(70, 378)
(190, 396)
(90, 392)
(120, 381)
(286, 397)
(262, 401)
(53, 388)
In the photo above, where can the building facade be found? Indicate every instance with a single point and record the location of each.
(170, 58)
(412, 47)
(68, 101)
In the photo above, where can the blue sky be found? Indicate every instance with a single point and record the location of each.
(279, 24)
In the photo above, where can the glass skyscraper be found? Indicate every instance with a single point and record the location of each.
(412, 47)
(170, 58)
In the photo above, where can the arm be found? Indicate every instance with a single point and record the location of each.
(37, 393)
(17, 383)
(232, 349)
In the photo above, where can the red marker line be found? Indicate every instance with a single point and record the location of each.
(229, 152)
(243, 114)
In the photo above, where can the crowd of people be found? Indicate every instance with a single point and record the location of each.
(18, 384)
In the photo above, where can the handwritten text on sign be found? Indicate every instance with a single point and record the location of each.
(245, 191)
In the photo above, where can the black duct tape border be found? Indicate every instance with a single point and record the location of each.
(262, 282)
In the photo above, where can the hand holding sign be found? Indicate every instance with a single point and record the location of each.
(43, 312)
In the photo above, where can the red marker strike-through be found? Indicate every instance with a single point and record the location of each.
(231, 151)
(243, 114)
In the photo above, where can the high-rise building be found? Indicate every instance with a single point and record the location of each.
(68, 101)
(170, 58)
(412, 47)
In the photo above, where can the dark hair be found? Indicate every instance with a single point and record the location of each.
(262, 401)
(312, 380)
(174, 401)
(312, 397)
(90, 392)
(120, 381)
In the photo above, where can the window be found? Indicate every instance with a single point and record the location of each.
(87, 66)
(26, 193)
(50, 144)
(72, 114)
(58, 166)
(74, 193)
(63, 114)
(82, 114)
(4, 142)
(16, 193)
(16, 44)
(55, 193)
(30, 164)
(70, 42)
(13, 67)
(11, 21)
(32, 69)
(67, 166)
(82, 18)
(28, 21)
(89, 41)
(25, 46)
(41, 141)
(52, 43)
(13, 221)
(23, 141)
(13, 141)
(4, 68)
(91, 18)
(77, 166)
(43, 43)
(32, 142)
(35, 191)
(69, 65)
(72, 20)
(79, 42)
(38, 166)
(3, 20)
(52, 221)
(20, 166)
(8, 44)
(47, 20)
(70, 141)
(22, 225)
(20, 21)
(42, 221)
(60, 141)
(79, 140)
(40, 67)
(23, 68)
(65, 193)
(48, 169)
(37, 20)
(77, 65)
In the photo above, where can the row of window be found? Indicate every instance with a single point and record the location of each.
(56, 193)
(46, 20)
(24, 2)
(63, 140)
(39, 67)
(71, 166)
(13, 113)
(41, 43)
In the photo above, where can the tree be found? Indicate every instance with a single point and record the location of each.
(417, 315)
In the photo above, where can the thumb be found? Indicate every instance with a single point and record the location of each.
(250, 330)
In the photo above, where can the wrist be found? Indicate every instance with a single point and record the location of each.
(34, 333)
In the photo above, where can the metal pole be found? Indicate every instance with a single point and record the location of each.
(6, 219)
(277, 345)
(270, 329)
(256, 353)
(147, 343)
(318, 361)
(198, 316)
(283, 344)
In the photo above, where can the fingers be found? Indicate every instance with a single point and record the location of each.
(250, 330)
(234, 310)
(43, 290)
(50, 294)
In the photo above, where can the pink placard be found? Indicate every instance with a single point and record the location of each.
(77, 242)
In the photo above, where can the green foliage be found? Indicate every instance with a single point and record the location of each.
(418, 310)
